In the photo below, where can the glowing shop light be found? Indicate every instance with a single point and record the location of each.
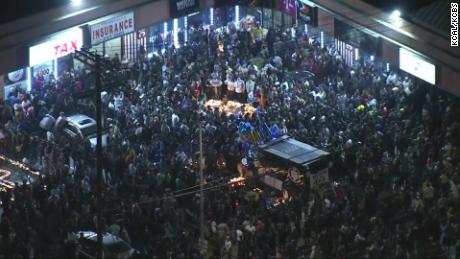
(76, 2)
(176, 32)
(322, 39)
(55, 70)
(186, 28)
(211, 16)
(395, 14)
(165, 30)
(237, 15)
(29, 79)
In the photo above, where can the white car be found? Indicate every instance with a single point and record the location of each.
(85, 127)
(113, 246)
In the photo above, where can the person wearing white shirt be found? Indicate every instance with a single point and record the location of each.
(227, 245)
(174, 120)
(118, 101)
(392, 79)
(407, 86)
(239, 89)
(250, 86)
(231, 84)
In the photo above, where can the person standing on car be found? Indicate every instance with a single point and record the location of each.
(60, 122)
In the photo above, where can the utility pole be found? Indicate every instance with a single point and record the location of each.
(98, 159)
(201, 184)
(108, 75)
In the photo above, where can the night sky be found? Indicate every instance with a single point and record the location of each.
(15, 9)
(20, 8)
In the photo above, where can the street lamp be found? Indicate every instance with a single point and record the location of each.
(396, 14)
(395, 18)
(76, 2)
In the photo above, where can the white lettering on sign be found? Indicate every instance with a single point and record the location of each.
(454, 24)
(57, 46)
(181, 5)
(66, 47)
(112, 28)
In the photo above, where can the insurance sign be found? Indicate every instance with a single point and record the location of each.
(112, 28)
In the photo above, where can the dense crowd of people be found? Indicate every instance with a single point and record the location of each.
(394, 145)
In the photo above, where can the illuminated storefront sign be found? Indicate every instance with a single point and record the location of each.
(415, 65)
(58, 46)
(179, 8)
(112, 28)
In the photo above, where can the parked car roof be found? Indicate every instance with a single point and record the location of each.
(107, 238)
(81, 120)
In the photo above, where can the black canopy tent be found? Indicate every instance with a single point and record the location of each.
(290, 152)
(301, 160)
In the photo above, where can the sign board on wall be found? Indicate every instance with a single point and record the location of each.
(16, 80)
(179, 8)
(417, 66)
(57, 46)
(16, 76)
(112, 28)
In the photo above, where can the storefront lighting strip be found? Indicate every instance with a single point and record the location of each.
(55, 70)
(211, 16)
(322, 39)
(165, 30)
(310, 3)
(192, 14)
(186, 28)
(76, 13)
(396, 25)
(29, 79)
(176, 32)
(237, 15)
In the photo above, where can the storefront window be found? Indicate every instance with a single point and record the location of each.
(155, 40)
(42, 74)
(195, 20)
(267, 18)
(288, 20)
(220, 15)
(231, 14)
(277, 19)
